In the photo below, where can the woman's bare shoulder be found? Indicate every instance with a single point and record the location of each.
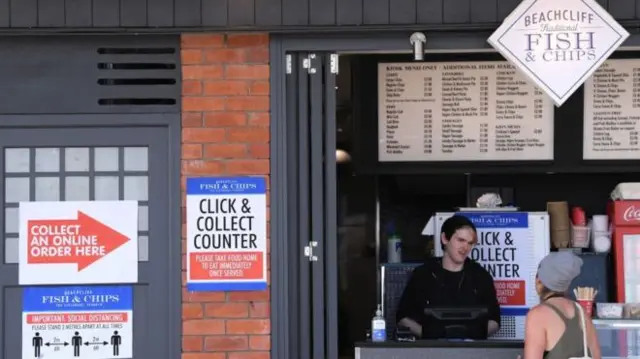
(537, 313)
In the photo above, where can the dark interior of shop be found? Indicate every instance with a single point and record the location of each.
(410, 193)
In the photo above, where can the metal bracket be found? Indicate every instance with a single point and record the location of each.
(288, 65)
(308, 64)
(308, 251)
(334, 64)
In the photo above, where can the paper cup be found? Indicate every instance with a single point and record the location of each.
(587, 306)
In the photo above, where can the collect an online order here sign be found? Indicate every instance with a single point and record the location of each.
(505, 250)
(226, 233)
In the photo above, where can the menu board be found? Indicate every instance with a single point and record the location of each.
(612, 112)
(461, 111)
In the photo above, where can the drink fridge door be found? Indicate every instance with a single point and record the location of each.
(631, 254)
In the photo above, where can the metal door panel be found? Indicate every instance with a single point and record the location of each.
(316, 91)
(331, 207)
(299, 85)
(314, 119)
(152, 339)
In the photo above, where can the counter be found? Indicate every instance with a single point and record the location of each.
(437, 349)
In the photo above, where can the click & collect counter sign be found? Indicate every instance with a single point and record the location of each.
(78, 242)
(226, 233)
(558, 44)
(77, 322)
(502, 251)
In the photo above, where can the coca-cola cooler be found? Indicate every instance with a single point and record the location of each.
(625, 225)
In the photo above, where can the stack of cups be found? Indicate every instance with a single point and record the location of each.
(560, 224)
(585, 297)
(601, 236)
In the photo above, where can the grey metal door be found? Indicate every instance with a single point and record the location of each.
(311, 103)
(96, 163)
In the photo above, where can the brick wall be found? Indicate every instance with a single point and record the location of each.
(225, 131)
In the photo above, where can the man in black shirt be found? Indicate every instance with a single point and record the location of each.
(453, 280)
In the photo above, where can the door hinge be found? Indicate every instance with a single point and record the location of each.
(308, 251)
(308, 63)
(287, 64)
(334, 63)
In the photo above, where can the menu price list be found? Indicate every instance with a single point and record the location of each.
(471, 111)
(612, 112)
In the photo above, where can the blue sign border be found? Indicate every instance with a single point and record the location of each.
(226, 286)
(77, 299)
(226, 186)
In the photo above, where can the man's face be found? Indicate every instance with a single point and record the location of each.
(460, 244)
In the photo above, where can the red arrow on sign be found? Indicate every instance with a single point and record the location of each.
(65, 241)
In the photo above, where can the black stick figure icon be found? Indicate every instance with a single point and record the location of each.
(76, 341)
(36, 342)
(116, 341)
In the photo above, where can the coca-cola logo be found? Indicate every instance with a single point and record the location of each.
(631, 214)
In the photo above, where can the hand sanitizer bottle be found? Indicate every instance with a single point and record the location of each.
(378, 327)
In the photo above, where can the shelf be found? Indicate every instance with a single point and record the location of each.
(617, 323)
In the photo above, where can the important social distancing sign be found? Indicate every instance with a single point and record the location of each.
(226, 233)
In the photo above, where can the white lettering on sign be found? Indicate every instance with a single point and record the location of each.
(631, 214)
(558, 44)
(78, 242)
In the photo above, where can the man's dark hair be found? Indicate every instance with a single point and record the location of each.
(452, 224)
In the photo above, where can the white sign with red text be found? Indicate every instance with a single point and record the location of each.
(78, 242)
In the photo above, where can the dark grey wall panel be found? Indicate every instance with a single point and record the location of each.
(484, 11)
(106, 13)
(90, 74)
(622, 9)
(295, 12)
(161, 12)
(51, 13)
(375, 12)
(322, 12)
(429, 11)
(24, 13)
(4, 13)
(241, 13)
(402, 12)
(77, 13)
(133, 13)
(456, 11)
(188, 13)
(268, 12)
(349, 12)
(269, 15)
(505, 7)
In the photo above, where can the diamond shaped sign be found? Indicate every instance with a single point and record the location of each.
(558, 44)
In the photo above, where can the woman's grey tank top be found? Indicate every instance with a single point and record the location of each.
(570, 344)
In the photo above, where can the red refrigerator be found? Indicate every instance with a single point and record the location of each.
(625, 222)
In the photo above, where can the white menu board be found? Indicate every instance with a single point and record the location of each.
(461, 111)
(612, 112)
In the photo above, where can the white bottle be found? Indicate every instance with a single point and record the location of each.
(394, 249)
(378, 327)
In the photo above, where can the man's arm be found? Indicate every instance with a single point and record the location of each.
(410, 308)
(491, 301)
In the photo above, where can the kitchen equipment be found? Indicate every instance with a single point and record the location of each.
(625, 225)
